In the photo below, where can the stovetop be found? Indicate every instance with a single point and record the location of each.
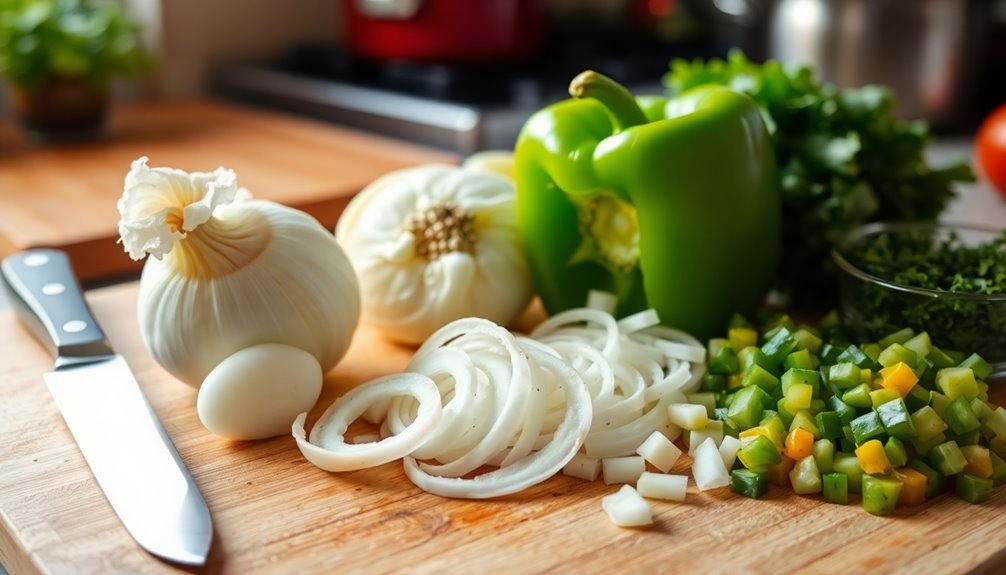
(459, 107)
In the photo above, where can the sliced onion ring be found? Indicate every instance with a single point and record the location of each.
(536, 467)
(327, 447)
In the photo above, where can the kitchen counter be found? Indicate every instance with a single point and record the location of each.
(65, 196)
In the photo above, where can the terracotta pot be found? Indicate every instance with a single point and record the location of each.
(61, 108)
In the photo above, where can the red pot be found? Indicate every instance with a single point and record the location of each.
(444, 30)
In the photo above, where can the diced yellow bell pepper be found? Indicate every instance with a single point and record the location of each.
(979, 461)
(753, 432)
(734, 381)
(778, 473)
(798, 396)
(872, 457)
(913, 486)
(899, 377)
(799, 443)
(741, 337)
(865, 375)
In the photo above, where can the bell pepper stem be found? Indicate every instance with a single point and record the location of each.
(615, 97)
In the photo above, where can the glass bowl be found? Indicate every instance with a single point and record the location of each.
(873, 306)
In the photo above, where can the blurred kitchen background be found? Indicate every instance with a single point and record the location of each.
(463, 75)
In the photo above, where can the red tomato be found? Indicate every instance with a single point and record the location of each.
(991, 149)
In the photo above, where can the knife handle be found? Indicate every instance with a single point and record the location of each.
(48, 299)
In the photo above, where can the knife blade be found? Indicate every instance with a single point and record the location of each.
(122, 440)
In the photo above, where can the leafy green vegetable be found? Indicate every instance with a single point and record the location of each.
(844, 160)
(919, 258)
(40, 39)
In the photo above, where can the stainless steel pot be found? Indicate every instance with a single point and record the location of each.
(935, 54)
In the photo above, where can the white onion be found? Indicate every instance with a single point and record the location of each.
(327, 448)
(626, 508)
(529, 470)
(583, 387)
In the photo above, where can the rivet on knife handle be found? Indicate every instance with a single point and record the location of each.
(48, 298)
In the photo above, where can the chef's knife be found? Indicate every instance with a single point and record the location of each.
(119, 434)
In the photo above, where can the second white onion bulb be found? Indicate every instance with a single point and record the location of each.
(432, 244)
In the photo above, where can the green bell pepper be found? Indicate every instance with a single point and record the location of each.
(669, 204)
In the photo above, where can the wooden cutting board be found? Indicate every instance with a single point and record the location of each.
(64, 196)
(275, 513)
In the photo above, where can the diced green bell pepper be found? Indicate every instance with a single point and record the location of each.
(973, 489)
(897, 353)
(803, 419)
(675, 208)
(845, 411)
(922, 447)
(883, 395)
(844, 375)
(835, 488)
(981, 368)
(917, 398)
(824, 455)
(960, 417)
(947, 458)
(759, 453)
(957, 381)
(800, 359)
(939, 402)
(807, 340)
(896, 419)
(747, 405)
(848, 465)
(758, 375)
(880, 494)
(713, 382)
(829, 424)
(866, 427)
(901, 336)
(829, 353)
(854, 354)
(858, 396)
(896, 452)
(998, 469)
(921, 345)
(805, 477)
(928, 422)
(751, 355)
(779, 345)
(749, 483)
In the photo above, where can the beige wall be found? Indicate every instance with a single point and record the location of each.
(193, 36)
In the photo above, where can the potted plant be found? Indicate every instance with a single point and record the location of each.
(60, 57)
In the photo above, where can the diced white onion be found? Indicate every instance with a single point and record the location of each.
(707, 467)
(602, 301)
(713, 430)
(662, 486)
(626, 508)
(622, 469)
(688, 415)
(729, 447)
(659, 451)
(583, 467)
